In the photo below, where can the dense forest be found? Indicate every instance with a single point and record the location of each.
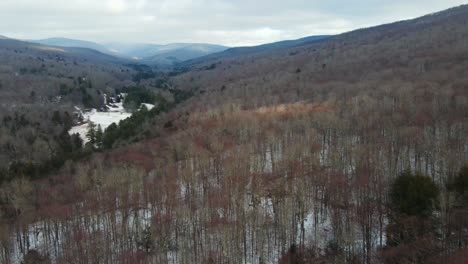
(351, 149)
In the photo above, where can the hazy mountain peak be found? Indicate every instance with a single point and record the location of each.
(150, 53)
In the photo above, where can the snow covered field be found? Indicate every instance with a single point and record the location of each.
(104, 119)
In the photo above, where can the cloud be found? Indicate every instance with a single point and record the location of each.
(229, 22)
(242, 37)
(117, 6)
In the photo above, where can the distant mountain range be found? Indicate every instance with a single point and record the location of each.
(182, 54)
(176, 53)
(148, 53)
(71, 53)
(244, 51)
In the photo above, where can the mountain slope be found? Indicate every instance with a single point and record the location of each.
(137, 50)
(243, 51)
(371, 34)
(28, 67)
(39, 88)
(78, 53)
(175, 53)
(165, 54)
(330, 123)
(346, 57)
(73, 43)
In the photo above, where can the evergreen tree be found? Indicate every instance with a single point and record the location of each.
(77, 142)
(413, 199)
(110, 136)
(91, 134)
(99, 137)
(414, 194)
(461, 184)
(56, 118)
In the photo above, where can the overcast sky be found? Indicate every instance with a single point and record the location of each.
(227, 22)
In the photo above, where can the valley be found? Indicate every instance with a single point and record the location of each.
(347, 148)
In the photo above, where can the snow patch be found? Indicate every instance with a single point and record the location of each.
(148, 106)
(115, 114)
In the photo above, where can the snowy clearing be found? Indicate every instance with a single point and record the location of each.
(115, 114)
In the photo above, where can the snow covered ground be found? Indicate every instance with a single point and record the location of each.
(80, 130)
(148, 106)
(104, 119)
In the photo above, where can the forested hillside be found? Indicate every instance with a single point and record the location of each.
(41, 88)
(351, 149)
(245, 51)
(32, 71)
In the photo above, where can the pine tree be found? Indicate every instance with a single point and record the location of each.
(91, 134)
(99, 135)
(414, 194)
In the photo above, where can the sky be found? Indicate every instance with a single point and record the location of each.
(226, 22)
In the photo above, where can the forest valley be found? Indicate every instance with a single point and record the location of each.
(352, 149)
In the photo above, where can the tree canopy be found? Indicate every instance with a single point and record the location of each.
(137, 96)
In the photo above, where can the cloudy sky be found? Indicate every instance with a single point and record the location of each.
(227, 22)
